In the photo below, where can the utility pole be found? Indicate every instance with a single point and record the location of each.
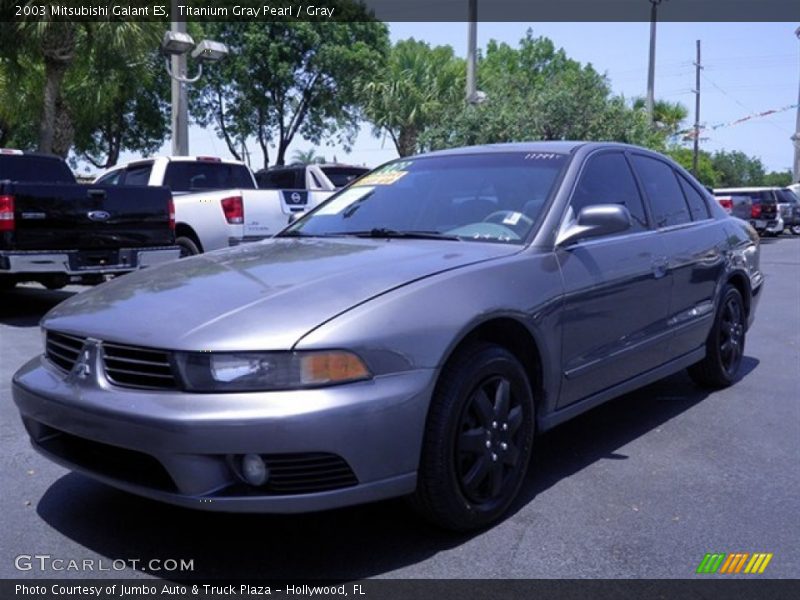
(696, 111)
(180, 107)
(651, 71)
(472, 43)
(796, 136)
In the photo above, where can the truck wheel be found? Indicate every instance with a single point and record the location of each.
(725, 343)
(187, 245)
(478, 439)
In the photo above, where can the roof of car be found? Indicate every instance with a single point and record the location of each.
(560, 146)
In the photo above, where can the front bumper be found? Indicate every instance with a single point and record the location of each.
(376, 427)
(78, 262)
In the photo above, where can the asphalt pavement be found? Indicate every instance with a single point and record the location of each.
(642, 487)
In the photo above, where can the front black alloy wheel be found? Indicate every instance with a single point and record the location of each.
(478, 439)
(725, 344)
(795, 229)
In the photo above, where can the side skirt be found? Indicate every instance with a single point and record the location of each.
(573, 410)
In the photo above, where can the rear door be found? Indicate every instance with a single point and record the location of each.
(693, 242)
(616, 288)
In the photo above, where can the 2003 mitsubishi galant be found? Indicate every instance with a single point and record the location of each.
(410, 336)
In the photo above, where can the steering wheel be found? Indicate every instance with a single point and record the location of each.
(511, 219)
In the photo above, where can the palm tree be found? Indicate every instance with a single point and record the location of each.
(57, 43)
(308, 157)
(417, 85)
(667, 116)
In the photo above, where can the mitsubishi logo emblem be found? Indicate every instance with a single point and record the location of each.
(82, 368)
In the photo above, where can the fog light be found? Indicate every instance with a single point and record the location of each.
(254, 470)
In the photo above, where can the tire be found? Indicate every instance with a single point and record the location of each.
(478, 439)
(725, 343)
(795, 229)
(187, 245)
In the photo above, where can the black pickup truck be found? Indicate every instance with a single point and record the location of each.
(56, 231)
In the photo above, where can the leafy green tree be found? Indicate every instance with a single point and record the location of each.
(706, 173)
(737, 169)
(536, 92)
(417, 88)
(55, 52)
(778, 178)
(287, 78)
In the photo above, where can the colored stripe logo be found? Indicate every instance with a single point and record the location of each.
(736, 562)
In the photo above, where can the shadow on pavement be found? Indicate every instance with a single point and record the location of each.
(351, 543)
(24, 306)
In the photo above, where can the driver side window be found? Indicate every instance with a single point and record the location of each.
(607, 179)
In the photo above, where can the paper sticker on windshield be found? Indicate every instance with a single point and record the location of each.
(342, 201)
(387, 178)
(512, 218)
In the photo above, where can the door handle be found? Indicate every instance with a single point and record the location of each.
(660, 267)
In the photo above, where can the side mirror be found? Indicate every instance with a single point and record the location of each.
(594, 221)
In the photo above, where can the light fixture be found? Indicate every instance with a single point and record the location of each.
(210, 51)
(176, 42)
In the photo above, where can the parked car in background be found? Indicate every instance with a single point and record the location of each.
(55, 231)
(764, 214)
(410, 336)
(789, 209)
(313, 177)
(736, 205)
(217, 204)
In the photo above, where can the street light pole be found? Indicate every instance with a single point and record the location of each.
(472, 43)
(651, 70)
(180, 106)
(796, 136)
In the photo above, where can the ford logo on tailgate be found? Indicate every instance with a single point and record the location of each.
(98, 215)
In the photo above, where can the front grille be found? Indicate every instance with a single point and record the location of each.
(132, 366)
(63, 350)
(300, 474)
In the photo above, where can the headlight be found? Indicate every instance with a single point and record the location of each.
(263, 371)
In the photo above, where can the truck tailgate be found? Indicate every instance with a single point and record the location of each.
(266, 212)
(65, 216)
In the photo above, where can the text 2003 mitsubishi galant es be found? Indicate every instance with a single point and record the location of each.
(408, 337)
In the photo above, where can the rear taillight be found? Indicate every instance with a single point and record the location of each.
(171, 209)
(6, 213)
(726, 203)
(233, 209)
(755, 211)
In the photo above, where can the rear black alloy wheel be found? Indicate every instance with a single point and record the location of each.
(478, 439)
(725, 344)
(795, 229)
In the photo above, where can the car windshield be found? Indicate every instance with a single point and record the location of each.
(494, 197)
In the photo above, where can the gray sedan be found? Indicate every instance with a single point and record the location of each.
(409, 337)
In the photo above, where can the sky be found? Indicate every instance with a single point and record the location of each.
(748, 68)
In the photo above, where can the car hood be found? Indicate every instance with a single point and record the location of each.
(262, 296)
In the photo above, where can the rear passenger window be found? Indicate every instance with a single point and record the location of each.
(697, 204)
(663, 191)
(138, 175)
(607, 179)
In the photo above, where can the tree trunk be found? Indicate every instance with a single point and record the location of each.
(54, 75)
(64, 130)
(406, 143)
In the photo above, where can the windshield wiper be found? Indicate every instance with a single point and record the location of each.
(384, 232)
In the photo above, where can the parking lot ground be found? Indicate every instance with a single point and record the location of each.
(641, 487)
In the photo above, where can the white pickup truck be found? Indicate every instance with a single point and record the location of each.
(217, 203)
